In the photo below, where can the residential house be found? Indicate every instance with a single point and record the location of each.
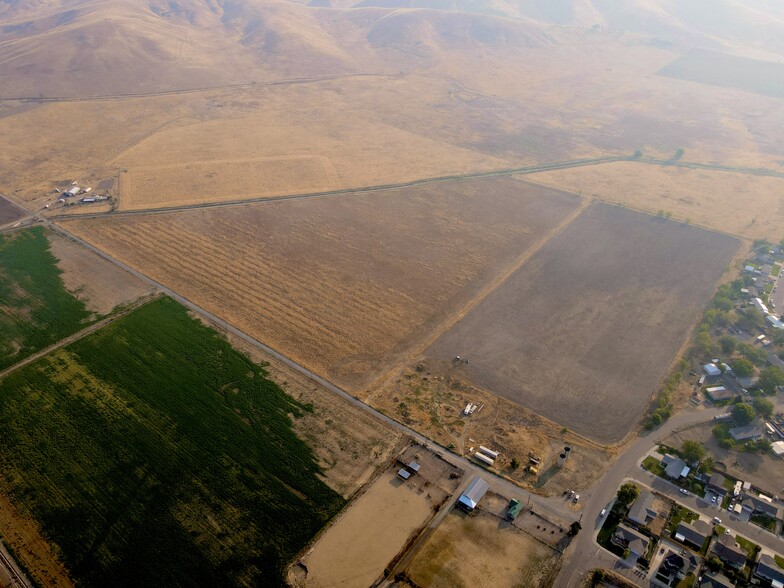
(747, 432)
(711, 580)
(769, 572)
(716, 484)
(673, 567)
(755, 505)
(693, 534)
(642, 511)
(674, 467)
(728, 551)
(627, 538)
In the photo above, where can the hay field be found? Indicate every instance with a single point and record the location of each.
(213, 181)
(341, 285)
(584, 331)
(482, 550)
(740, 204)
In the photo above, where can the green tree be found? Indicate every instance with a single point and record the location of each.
(743, 413)
(692, 451)
(628, 493)
(771, 378)
(515, 463)
(742, 367)
(763, 407)
(722, 303)
(728, 344)
(574, 528)
(714, 564)
(705, 465)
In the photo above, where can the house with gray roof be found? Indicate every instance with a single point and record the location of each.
(675, 468)
(716, 484)
(642, 511)
(693, 534)
(769, 572)
(754, 505)
(728, 551)
(746, 432)
(711, 580)
(627, 538)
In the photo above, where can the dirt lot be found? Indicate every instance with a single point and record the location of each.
(598, 314)
(433, 403)
(482, 550)
(733, 71)
(349, 443)
(101, 285)
(740, 204)
(763, 471)
(213, 181)
(9, 212)
(340, 284)
(359, 545)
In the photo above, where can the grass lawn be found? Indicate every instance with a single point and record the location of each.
(653, 465)
(687, 582)
(775, 271)
(749, 547)
(606, 532)
(37, 309)
(678, 514)
(729, 484)
(154, 454)
(764, 522)
(779, 561)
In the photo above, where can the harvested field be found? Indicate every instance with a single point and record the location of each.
(9, 212)
(214, 181)
(101, 285)
(731, 71)
(736, 203)
(340, 284)
(584, 331)
(482, 550)
(357, 548)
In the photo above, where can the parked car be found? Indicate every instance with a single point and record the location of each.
(716, 521)
(684, 492)
(576, 498)
(713, 499)
(604, 512)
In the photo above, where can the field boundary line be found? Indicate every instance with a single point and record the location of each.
(489, 287)
(15, 572)
(80, 334)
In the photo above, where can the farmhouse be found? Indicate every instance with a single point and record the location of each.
(627, 538)
(768, 571)
(718, 393)
(674, 467)
(711, 369)
(473, 494)
(728, 551)
(693, 534)
(642, 511)
(746, 432)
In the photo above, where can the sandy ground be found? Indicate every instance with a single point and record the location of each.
(101, 285)
(583, 333)
(349, 443)
(762, 470)
(359, 545)
(431, 397)
(736, 203)
(482, 550)
(343, 284)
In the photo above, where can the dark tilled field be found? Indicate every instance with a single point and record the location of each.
(731, 71)
(585, 330)
(9, 212)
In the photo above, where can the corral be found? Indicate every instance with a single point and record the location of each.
(732, 71)
(584, 331)
(482, 550)
(9, 212)
(737, 203)
(340, 284)
(151, 452)
(378, 526)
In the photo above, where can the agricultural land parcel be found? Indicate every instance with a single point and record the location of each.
(152, 453)
(481, 550)
(736, 203)
(9, 212)
(341, 284)
(584, 331)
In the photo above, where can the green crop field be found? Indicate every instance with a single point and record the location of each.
(154, 454)
(35, 308)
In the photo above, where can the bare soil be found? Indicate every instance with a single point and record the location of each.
(343, 285)
(358, 546)
(102, 286)
(482, 550)
(9, 212)
(583, 333)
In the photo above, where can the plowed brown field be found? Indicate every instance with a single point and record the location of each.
(340, 284)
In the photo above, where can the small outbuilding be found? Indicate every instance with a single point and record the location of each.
(711, 369)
